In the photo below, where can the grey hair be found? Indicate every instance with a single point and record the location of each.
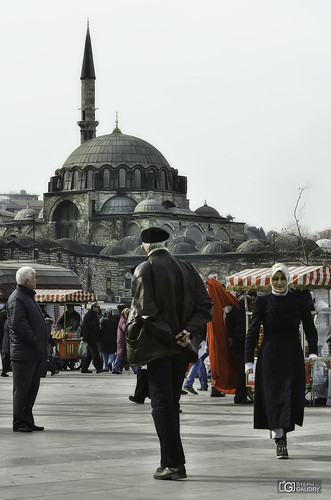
(24, 273)
(151, 246)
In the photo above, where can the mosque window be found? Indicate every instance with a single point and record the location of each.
(122, 178)
(137, 178)
(67, 180)
(106, 178)
(89, 179)
(75, 180)
(195, 234)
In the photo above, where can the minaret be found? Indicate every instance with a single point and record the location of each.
(87, 125)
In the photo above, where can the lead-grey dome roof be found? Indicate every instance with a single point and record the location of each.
(116, 149)
(118, 205)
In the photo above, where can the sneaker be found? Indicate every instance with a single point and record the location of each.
(183, 392)
(281, 447)
(190, 389)
(202, 388)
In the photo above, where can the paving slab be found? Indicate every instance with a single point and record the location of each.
(98, 444)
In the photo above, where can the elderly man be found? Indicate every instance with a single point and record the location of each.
(28, 348)
(169, 308)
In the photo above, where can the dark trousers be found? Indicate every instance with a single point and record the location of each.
(5, 362)
(142, 387)
(165, 377)
(26, 381)
(241, 390)
(92, 355)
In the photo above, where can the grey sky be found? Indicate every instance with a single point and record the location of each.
(234, 93)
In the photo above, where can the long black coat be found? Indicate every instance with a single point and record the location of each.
(280, 371)
(168, 296)
(27, 326)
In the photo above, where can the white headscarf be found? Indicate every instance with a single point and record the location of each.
(283, 269)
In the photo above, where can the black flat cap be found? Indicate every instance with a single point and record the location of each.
(154, 235)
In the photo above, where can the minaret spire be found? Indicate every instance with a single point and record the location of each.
(87, 124)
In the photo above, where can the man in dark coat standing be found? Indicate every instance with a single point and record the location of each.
(92, 335)
(170, 305)
(28, 348)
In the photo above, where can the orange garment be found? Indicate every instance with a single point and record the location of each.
(222, 362)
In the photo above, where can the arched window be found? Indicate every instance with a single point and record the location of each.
(67, 180)
(89, 179)
(75, 180)
(113, 179)
(122, 178)
(137, 178)
(106, 178)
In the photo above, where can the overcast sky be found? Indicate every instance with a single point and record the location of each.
(234, 93)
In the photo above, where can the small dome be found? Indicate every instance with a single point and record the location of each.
(130, 243)
(26, 214)
(118, 205)
(149, 206)
(251, 246)
(207, 211)
(215, 247)
(182, 245)
(116, 249)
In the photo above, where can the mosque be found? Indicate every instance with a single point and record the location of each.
(113, 186)
(107, 191)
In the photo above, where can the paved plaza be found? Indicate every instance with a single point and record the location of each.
(98, 444)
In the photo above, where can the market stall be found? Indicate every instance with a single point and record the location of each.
(316, 280)
(66, 337)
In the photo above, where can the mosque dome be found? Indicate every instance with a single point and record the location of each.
(26, 214)
(116, 149)
(207, 211)
(118, 205)
(149, 206)
(212, 247)
(251, 246)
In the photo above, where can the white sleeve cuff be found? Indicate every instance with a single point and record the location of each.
(249, 366)
(312, 356)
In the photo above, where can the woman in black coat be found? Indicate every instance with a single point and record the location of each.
(279, 394)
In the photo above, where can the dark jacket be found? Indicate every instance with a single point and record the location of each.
(168, 296)
(108, 334)
(91, 328)
(27, 326)
(279, 393)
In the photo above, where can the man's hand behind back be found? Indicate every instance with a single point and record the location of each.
(183, 338)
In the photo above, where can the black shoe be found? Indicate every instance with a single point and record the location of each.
(55, 372)
(242, 401)
(4, 374)
(86, 371)
(102, 370)
(132, 398)
(22, 428)
(281, 447)
(216, 394)
(202, 388)
(183, 392)
(117, 373)
(173, 473)
(37, 428)
(190, 389)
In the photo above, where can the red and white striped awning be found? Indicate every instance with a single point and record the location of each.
(300, 277)
(65, 296)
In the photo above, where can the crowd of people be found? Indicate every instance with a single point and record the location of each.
(174, 324)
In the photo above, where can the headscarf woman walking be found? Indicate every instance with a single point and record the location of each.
(279, 394)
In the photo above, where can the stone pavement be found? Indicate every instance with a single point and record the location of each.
(97, 444)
